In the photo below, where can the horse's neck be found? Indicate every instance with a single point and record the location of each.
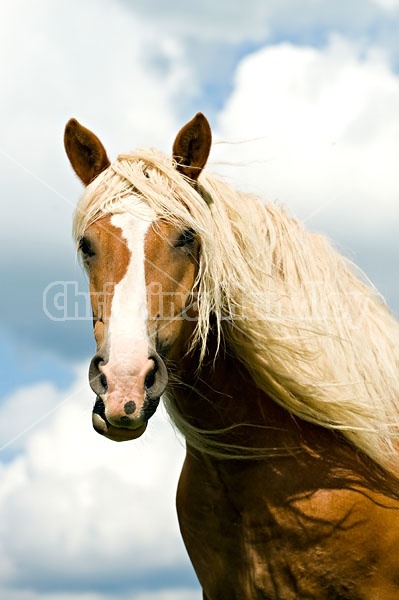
(299, 457)
(223, 395)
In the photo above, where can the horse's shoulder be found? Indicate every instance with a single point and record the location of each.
(362, 510)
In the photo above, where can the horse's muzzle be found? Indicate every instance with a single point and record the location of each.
(116, 434)
(124, 404)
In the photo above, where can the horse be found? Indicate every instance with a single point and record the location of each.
(275, 358)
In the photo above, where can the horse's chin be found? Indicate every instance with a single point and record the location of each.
(116, 434)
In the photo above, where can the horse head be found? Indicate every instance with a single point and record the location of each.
(142, 271)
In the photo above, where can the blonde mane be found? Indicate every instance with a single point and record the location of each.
(314, 335)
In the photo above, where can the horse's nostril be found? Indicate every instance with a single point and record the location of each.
(103, 381)
(99, 407)
(97, 378)
(150, 378)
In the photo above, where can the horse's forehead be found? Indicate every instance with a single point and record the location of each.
(105, 231)
(119, 230)
(123, 239)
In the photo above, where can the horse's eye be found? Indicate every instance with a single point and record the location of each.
(185, 239)
(85, 248)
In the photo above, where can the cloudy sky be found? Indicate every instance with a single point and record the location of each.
(303, 99)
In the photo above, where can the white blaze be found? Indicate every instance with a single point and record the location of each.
(127, 333)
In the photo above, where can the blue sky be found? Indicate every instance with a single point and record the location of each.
(307, 91)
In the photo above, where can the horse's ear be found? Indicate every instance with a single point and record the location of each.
(192, 146)
(85, 151)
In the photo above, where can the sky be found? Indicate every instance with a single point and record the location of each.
(302, 97)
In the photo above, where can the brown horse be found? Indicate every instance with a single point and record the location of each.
(275, 360)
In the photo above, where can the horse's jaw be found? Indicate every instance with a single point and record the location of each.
(116, 434)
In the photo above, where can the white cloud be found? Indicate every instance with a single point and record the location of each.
(78, 510)
(324, 125)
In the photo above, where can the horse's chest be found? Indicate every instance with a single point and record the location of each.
(237, 554)
(244, 548)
